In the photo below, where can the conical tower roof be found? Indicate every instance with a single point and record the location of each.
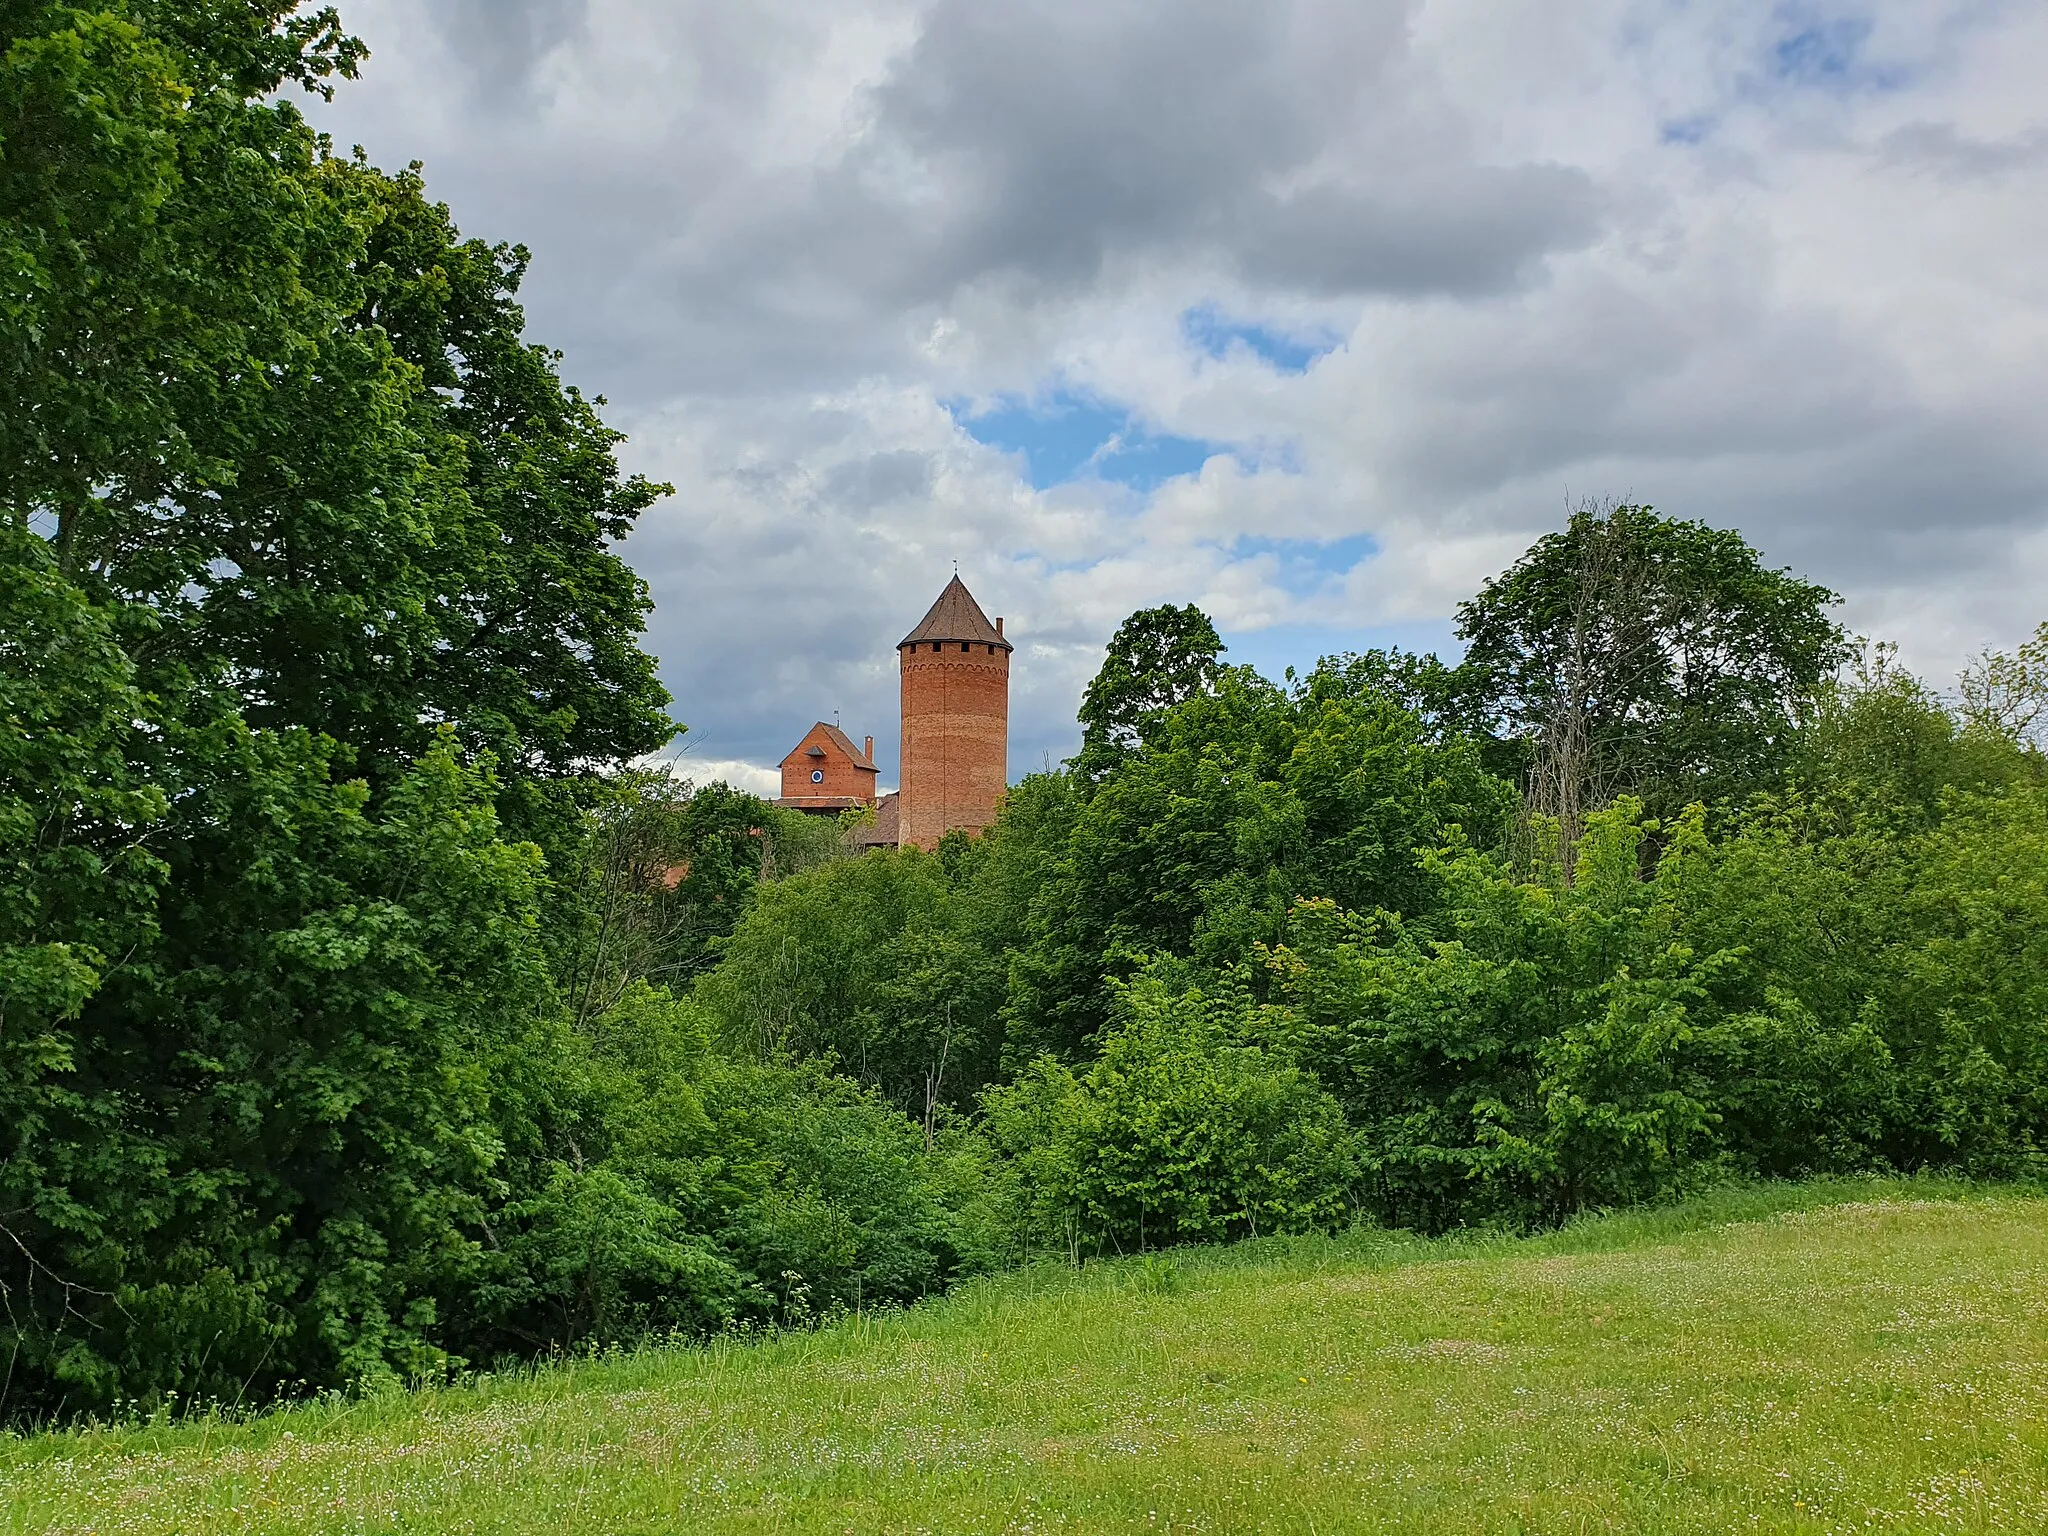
(956, 616)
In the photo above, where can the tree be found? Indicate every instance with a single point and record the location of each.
(1158, 658)
(2005, 693)
(1633, 653)
(157, 266)
(662, 870)
(274, 1131)
(78, 889)
(309, 618)
(271, 399)
(530, 643)
(1879, 741)
(1184, 1129)
(873, 963)
(1418, 682)
(1237, 802)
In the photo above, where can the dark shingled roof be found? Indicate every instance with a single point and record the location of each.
(882, 831)
(956, 616)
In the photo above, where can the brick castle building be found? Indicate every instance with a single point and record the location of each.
(955, 669)
(955, 672)
(826, 772)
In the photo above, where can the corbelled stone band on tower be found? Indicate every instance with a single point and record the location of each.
(956, 719)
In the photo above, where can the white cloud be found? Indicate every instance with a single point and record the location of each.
(740, 774)
(1772, 264)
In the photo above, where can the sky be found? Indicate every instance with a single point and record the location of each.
(1315, 314)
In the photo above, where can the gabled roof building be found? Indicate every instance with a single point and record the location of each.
(826, 772)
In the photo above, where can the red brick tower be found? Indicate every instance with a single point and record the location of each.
(956, 719)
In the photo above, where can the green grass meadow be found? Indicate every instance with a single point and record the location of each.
(1819, 1358)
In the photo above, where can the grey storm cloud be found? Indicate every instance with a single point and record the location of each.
(1771, 265)
(881, 478)
(1940, 149)
(501, 41)
(1035, 143)
(1045, 139)
(1044, 144)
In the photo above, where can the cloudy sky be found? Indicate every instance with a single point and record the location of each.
(1312, 313)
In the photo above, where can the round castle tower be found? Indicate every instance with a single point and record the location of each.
(956, 719)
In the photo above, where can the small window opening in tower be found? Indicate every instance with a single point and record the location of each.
(963, 647)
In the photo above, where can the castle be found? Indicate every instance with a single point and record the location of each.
(955, 672)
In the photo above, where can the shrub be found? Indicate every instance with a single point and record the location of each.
(681, 1190)
(1534, 1047)
(1183, 1130)
(872, 962)
(278, 1125)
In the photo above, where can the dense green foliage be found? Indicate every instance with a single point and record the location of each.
(365, 1009)
(273, 400)
(1158, 658)
(871, 963)
(327, 1038)
(1635, 654)
(691, 1190)
(1762, 1004)
(1292, 957)
(1850, 973)
(1181, 1130)
(1239, 802)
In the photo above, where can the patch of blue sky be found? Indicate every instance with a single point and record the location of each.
(1827, 52)
(1821, 50)
(1069, 435)
(1277, 647)
(1303, 565)
(1686, 130)
(1283, 349)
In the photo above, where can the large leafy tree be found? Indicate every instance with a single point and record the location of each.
(275, 399)
(1635, 653)
(1157, 658)
(78, 888)
(156, 248)
(486, 592)
(1238, 802)
(310, 614)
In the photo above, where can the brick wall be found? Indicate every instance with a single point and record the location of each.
(844, 778)
(956, 736)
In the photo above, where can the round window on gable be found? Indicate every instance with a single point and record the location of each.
(817, 775)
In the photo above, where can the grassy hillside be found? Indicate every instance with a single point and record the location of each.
(1845, 1357)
